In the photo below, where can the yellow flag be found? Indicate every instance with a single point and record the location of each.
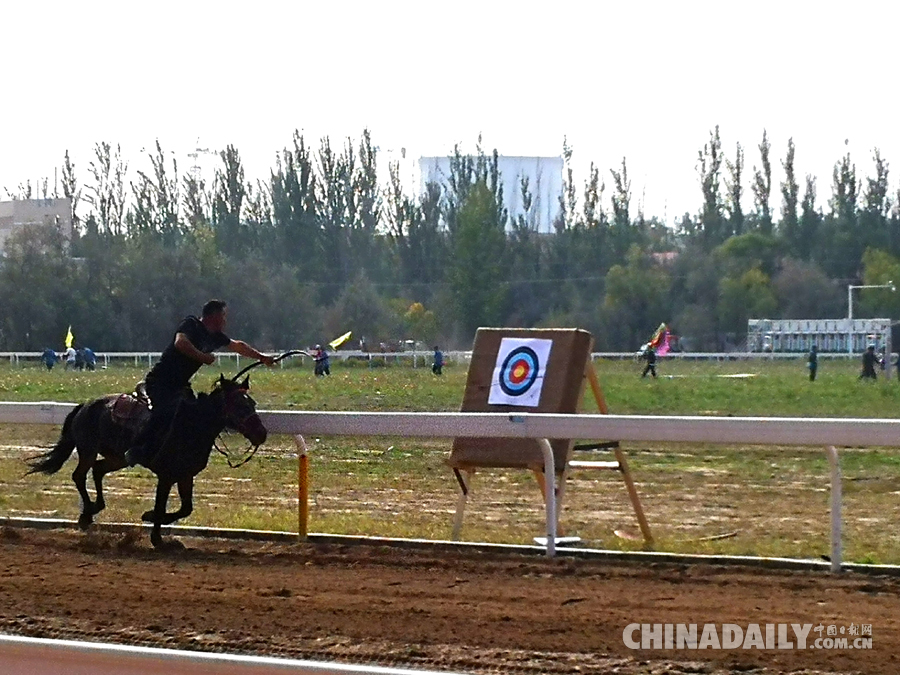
(337, 342)
(69, 338)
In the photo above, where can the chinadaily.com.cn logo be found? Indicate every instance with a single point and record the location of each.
(751, 636)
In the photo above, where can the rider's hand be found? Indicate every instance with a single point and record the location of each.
(268, 360)
(209, 359)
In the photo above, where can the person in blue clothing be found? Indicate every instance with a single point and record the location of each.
(90, 359)
(49, 358)
(438, 365)
(323, 366)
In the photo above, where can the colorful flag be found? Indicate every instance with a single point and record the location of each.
(337, 342)
(69, 338)
(660, 340)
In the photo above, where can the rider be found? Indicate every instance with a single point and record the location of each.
(170, 379)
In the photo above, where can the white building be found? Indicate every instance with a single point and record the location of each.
(829, 335)
(19, 213)
(545, 182)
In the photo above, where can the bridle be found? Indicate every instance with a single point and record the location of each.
(228, 410)
(239, 423)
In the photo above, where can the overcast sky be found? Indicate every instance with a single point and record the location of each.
(643, 80)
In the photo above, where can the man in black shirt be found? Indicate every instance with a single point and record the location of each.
(650, 356)
(169, 381)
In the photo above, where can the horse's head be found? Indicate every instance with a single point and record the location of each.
(239, 409)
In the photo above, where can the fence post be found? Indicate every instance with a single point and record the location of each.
(302, 487)
(550, 501)
(835, 463)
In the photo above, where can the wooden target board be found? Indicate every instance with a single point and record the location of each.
(522, 370)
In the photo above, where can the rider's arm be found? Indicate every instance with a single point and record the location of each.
(244, 349)
(186, 347)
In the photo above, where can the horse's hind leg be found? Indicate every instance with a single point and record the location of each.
(79, 477)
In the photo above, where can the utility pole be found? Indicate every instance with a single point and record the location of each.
(195, 156)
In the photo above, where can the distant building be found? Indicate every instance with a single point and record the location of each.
(545, 182)
(19, 213)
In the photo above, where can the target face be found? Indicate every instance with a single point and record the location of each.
(519, 372)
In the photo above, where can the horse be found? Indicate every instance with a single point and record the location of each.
(97, 428)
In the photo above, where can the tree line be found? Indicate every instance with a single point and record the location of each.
(325, 245)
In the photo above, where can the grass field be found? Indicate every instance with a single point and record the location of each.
(707, 498)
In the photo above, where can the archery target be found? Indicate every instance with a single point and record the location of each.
(519, 372)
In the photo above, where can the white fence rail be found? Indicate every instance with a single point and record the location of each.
(827, 433)
(422, 358)
(37, 656)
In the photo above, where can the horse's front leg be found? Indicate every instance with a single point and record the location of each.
(157, 515)
(101, 468)
(186, 493)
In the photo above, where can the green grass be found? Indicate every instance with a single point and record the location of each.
(772, 500)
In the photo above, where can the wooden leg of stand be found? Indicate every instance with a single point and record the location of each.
(464, 484)
(595, 388)
(635, 499)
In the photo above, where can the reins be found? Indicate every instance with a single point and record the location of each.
(292, 352)
(227, 455)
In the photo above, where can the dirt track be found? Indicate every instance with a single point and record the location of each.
(465, 612)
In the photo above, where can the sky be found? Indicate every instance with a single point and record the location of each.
(647, 81)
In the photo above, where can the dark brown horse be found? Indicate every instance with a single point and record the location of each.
(96, 431)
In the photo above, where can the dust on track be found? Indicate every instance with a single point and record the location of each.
(463, 611)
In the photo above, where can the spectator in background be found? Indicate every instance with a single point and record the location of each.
(869, 359)
(438, 365)
(90, 359)
(649, 356)
(49, 358)
(323, 367)
(70, 357)
(812, 362)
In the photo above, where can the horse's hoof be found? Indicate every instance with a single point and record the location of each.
(147, 517)
(85, 521)
(167, 545)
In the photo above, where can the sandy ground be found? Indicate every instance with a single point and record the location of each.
(465, 611)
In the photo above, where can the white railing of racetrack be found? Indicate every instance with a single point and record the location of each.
(425, 357)
(822, 432)
(28, 656)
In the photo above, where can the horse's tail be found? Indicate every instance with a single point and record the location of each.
(52, 461)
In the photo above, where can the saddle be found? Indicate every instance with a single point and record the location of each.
(130, 410)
